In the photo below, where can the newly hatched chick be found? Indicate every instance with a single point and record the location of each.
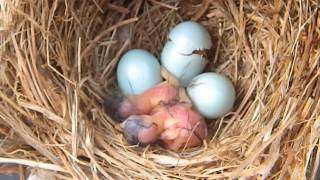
(120, 107)
(176, 126)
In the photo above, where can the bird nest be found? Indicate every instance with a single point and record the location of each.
(58, 61)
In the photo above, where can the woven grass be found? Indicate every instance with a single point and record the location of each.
(57, 65)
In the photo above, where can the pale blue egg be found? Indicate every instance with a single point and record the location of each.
(189, 36)
(212, 94)
(179, 55)
(137, 71)
(183, 67)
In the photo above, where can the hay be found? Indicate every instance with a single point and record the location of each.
(58, 60)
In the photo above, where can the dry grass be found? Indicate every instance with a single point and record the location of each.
(57, 63)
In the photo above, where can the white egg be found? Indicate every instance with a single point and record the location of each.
(183, 67)
(212, 94)
(178, 55)
(137, 71)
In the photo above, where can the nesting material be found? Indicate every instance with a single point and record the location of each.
(58, 61)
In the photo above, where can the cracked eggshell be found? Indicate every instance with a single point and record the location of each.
(137, 71)
(183, 67)
(189, 36)
(212, 94)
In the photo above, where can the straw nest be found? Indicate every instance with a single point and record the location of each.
(58, 62)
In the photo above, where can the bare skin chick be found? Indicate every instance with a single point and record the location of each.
(176, 126)
(120, 107)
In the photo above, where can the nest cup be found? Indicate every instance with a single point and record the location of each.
(58, 61)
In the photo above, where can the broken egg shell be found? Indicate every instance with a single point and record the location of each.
(190, 36)
(212, 94)
(137, 71)
(183, 67)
